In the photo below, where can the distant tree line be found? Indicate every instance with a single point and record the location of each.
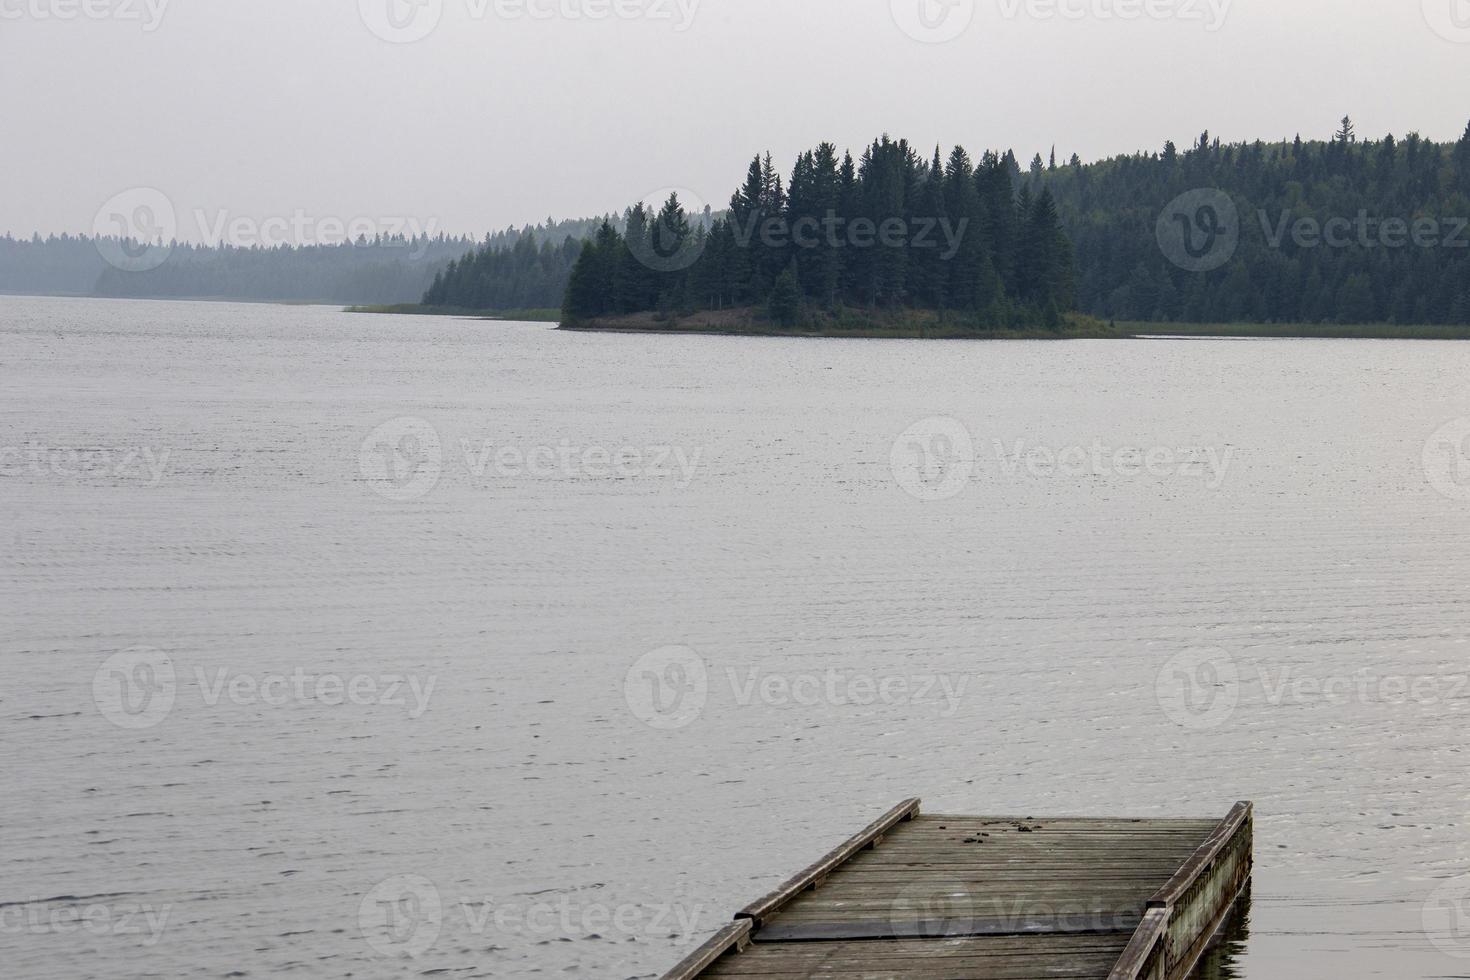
(384, 270)
(61, 265)
(387, 270)
(525, 276)
(986, 240)
(1110, 211)
(890, 230)
(1360, 207)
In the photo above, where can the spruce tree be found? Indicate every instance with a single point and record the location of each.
(784, 306)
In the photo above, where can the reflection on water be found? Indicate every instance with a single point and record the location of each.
(1221, 961)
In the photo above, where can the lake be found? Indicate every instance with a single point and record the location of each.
(330, 639)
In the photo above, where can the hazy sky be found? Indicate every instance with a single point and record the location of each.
(506, 111)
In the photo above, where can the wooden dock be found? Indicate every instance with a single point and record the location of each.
(986, 898)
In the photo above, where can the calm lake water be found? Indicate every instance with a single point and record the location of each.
(329, 639)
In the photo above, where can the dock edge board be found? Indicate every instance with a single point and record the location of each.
(1179, 922)
(1186, 913)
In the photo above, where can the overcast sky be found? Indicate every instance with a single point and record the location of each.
(313, 109)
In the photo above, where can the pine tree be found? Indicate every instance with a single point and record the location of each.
(637, 289)
(590, 290)
(930, 274)
(784, 306)
(962, 210)
(1461, 157)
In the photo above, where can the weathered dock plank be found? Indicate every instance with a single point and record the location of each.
(989, 898)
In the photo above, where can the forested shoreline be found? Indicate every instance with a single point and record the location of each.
(380, 270)
(887, 231)
(1329, 232)
(1325, 232)
(1339, 231)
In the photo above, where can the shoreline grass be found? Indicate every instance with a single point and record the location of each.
(1300, 331)
(930, 324)
(879, 324)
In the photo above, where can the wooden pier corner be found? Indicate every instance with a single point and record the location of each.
(983, 898)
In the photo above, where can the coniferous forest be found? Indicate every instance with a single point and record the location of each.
(1318, 237)
(379, 270)
(890, 230)
(1341, 230)
(525, 276)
